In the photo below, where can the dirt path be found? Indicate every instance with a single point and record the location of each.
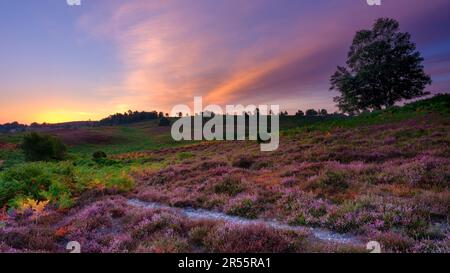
(201, 214)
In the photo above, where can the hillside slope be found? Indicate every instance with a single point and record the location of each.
(382, 176)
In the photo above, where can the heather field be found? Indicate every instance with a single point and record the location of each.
(333, 185)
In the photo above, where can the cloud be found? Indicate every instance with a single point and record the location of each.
(260, 52)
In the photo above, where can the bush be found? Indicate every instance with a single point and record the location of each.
(58, 182)
(247, 208)
(231, 238)
(43, 147)
(26, 180)
(334, 181)
(98, 155)
(299, 220)
(121, 182)
(37, 181)
(229, 185)
(244, 162)
(259, 165)
(198, 234)
(395, 242)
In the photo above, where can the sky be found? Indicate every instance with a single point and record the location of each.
(66, 63)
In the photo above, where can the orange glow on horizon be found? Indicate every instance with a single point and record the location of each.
(50, 112)
(58, 116)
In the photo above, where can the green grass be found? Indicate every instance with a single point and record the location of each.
(10, 158)
(126, 138)
(11, 138)
(185, 155)
(129, 138)
(61, 182)
(439, 104)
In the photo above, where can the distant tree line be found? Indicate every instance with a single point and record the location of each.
(116, 119)
(130, 117)
(312, 112)
(12, 127)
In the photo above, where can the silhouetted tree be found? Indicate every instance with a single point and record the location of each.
(311, 112)
(12, 127)
(383, 67)
(300, 113)
(128, 117)
(323, 112)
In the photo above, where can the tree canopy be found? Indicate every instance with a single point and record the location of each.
(383, 67)
(129, 117)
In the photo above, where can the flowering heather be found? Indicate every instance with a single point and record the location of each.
(110, 225)
(387, 182)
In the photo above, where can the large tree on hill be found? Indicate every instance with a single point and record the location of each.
(383, 67)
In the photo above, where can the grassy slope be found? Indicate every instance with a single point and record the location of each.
(391, 142)
(129, 138)
(437, 105)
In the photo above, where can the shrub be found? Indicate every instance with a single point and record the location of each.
(289, 181)
(38, 181)
(231, 238)
(426, 172)
(230, 185)
(244, 162)
(166, 243)
(105, 177)
(121, 182)
(298, 220)
(334, 181)
(26, 180)
(58, 182)
(60, 194)
(96, 156)
(102, 159)
(32, 239)
(395, 242)
(198, 234)
(43, 147)
(261, 165)
(247, 208)
(207, 165)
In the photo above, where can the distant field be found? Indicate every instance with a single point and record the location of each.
(119, 139)
(84, 141)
